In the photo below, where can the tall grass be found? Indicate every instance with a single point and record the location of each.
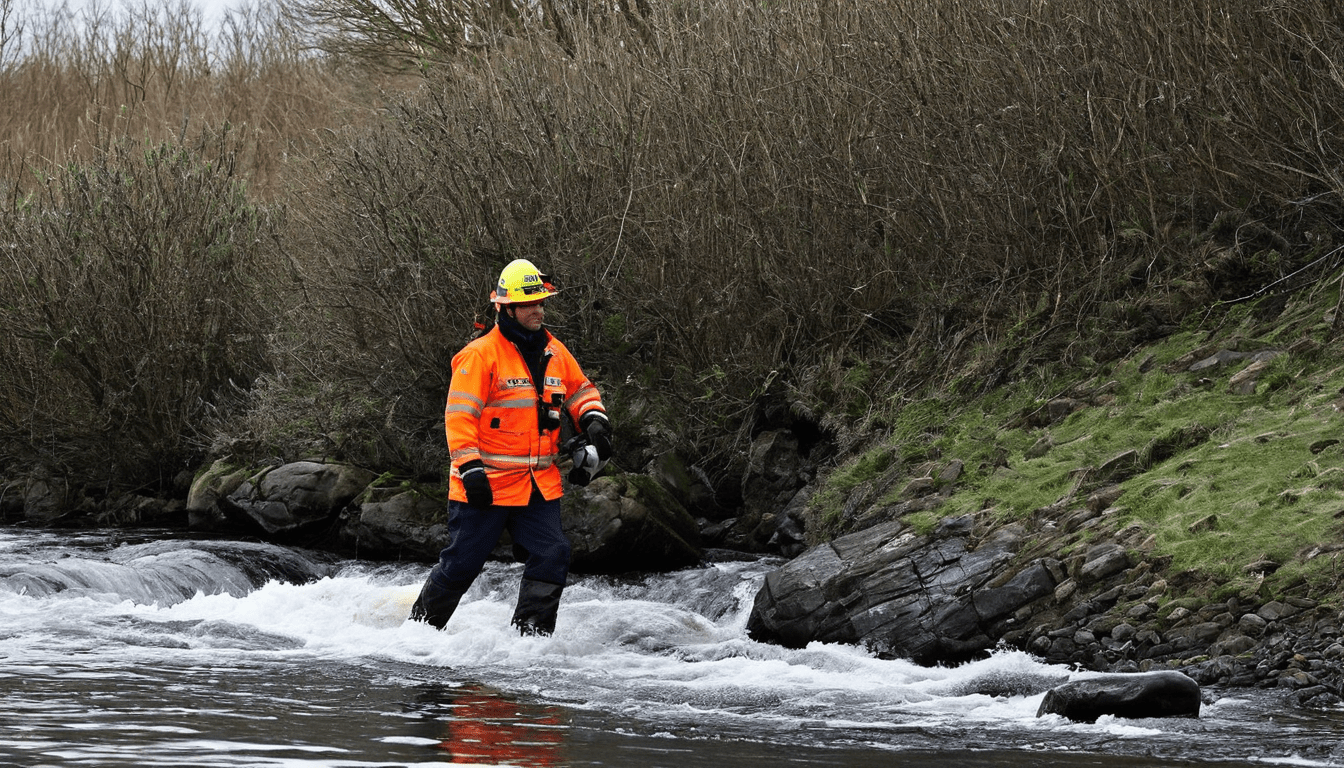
(761, 197)
(767, 212)
(130, 301)
(76, 79)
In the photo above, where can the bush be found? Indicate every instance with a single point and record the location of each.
(129, 306)
(767, 194)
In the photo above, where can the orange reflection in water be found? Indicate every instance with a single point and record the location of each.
(487, 728)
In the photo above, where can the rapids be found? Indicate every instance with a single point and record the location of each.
(163, 651)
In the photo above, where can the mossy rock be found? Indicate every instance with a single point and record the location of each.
(629, 523)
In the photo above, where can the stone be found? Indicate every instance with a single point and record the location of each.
(396, 524)
(629, 523)
(1252, 624)
(1138, 695)
(296, 498)
(208, 490)
(1101, 561)
(929, 598)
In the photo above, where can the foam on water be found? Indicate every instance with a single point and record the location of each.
(668, 649)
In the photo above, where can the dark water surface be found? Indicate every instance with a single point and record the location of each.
(106, 661)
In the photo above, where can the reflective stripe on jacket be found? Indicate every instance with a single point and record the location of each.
(491, 415)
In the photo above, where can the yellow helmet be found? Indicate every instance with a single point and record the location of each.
(521, 282)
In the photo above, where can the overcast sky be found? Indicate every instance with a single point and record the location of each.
(213, 9)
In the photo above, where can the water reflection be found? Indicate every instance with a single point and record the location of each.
(477, 724)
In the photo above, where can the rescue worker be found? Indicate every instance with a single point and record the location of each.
(508, 390)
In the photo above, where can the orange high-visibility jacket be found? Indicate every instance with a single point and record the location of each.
(491, 415)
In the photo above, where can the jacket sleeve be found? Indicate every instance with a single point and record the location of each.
(582, 398)
(468, 392)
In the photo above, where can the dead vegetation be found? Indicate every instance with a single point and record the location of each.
(760, 214)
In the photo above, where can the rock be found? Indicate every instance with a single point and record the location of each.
(295, 498)
(928, 598)
(1243, 382)
(628, 523)
(396, 524)
(1144, 694)
(1101, 561)
(207, 490)
(47, 500)
(771, 478)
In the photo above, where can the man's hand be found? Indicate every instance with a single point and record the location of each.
(477, 485)
(598, 432)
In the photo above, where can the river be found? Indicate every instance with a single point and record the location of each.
(150, 649)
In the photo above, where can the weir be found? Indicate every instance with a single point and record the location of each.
(159, 573)
(222, 653)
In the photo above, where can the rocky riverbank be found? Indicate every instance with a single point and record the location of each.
(1186, 515)
(1182, 512)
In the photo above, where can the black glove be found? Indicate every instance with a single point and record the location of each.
(477, 484)
(598, 432)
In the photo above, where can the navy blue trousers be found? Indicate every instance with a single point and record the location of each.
(474, 532)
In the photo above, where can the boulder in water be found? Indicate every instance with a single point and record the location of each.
(396, 524)
(932, 598)
(626, 523)
(1146, 694)
(294, 498)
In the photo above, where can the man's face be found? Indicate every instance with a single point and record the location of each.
(529, 315)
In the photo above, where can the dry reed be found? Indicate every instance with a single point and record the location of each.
(805, 211)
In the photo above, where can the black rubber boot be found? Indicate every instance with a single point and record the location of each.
(436, 603)
(538, 603)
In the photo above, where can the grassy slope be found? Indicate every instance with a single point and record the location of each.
(1230, 492)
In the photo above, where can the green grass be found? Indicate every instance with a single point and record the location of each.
(1227, 479)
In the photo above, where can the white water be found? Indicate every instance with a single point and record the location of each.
(153, 655)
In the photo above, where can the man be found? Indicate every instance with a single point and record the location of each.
(505, 402)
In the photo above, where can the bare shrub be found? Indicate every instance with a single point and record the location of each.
(401, 34)
(74, 78)
(755, 211)
(129, 301)
(766, 195)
